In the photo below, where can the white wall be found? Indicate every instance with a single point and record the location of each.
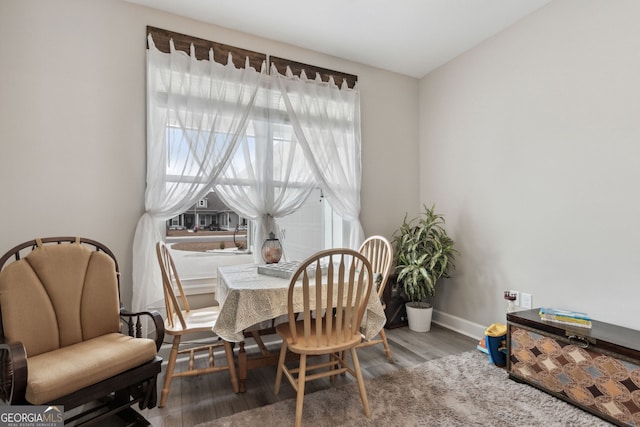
(530, 146)
(72, 122)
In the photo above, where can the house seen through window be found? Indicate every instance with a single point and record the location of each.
(209, 235)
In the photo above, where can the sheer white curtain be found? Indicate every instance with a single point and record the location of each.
(268, 177)
(326, 120)
(197, 113)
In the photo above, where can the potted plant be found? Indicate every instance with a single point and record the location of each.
(423, 254)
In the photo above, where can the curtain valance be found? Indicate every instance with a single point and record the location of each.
(202, 47)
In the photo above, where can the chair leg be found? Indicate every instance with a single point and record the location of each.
(170, 367)
(343, 355)
(363, 392)
(387, 350)
(281, 359)
(228, 351)
(333, 357)
(301, 382)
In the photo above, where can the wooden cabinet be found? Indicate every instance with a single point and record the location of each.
(596, 369)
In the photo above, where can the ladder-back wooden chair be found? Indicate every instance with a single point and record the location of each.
(379, 252)
(181, 321)
(331, 290)
(60, 333)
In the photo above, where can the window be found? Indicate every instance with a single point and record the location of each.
(268, 151)
(313, 227)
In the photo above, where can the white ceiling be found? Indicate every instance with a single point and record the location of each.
(410, 37)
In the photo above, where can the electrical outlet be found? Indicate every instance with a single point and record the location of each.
(525, 300)
(516, 302)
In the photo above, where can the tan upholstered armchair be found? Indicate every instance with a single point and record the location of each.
(60, 332)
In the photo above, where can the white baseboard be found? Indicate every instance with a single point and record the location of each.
(458, 324)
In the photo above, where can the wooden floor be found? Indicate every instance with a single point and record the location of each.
(194, 400)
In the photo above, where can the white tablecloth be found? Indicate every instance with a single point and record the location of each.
(248, 298)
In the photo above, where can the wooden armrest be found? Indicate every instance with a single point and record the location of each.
(13, 372)
(155, 317)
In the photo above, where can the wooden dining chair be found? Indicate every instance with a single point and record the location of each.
(379, 252)
(181, 320)
(327, 298)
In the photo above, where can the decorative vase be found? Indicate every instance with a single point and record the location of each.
(419, 316)
(271, 249)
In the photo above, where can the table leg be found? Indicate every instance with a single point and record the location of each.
(242, 368)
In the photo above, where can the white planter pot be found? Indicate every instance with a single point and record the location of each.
(419, 316)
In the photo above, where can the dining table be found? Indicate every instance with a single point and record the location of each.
(253, 300)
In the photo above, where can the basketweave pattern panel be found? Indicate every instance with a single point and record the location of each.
(591, 379)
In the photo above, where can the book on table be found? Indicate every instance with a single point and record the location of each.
(566, 317)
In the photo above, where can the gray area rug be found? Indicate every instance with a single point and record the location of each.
(460, 390)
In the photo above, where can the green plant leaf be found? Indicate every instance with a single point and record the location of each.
(423, 253)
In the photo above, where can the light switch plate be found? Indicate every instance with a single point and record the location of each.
(525, 300)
